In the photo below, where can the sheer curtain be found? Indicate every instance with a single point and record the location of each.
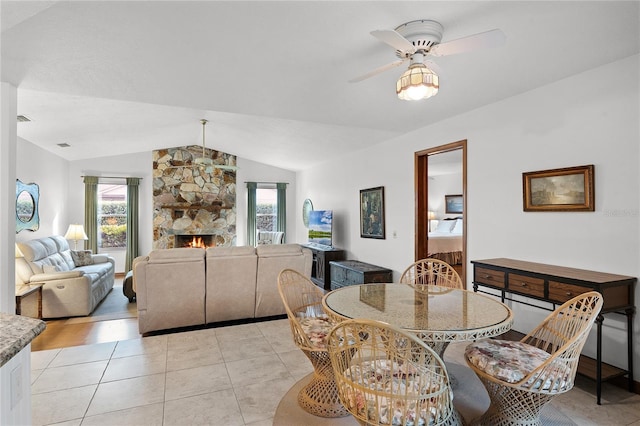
(281, 219)
(251, 213)
(133, 185)
(91, 212)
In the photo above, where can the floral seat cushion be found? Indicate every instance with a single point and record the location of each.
(388, 380)
(512, 361)
(316, 329)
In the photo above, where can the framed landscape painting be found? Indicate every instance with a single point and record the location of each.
(453, 204)
(372, 213)
(566, 189)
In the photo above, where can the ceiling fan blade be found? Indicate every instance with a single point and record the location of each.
(378, 70)
(485, 40)
(433, 67)
(395, 40)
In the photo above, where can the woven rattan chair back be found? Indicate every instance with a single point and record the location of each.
(387, 376)
(303, 300)
(431, 272)
(562, 334)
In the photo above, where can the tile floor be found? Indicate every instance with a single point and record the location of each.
(228, 376)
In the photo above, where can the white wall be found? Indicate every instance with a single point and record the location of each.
(441, 185)
(49, 171)
(590, 118)
(130, 165)
(250, 171)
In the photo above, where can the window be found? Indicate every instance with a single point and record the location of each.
(112, 216)
(266, 208)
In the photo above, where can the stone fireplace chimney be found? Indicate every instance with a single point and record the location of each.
(189, 201)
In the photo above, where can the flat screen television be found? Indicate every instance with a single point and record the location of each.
(320, 227)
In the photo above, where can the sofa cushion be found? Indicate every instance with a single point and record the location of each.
(273, 250)
(81, 257)
(182, 254)
(316, 329)
(231, 251)
(385, 377)
(512, 361)
(48, 269)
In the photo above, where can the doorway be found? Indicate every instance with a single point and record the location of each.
(440, 183)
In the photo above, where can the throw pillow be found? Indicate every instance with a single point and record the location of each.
(82, 257)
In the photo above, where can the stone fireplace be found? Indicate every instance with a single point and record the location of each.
(190, 201)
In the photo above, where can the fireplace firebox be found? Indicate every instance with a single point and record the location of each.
(191, 240)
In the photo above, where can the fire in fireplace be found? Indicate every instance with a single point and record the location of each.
(197, 241)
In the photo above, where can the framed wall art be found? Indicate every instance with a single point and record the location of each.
(453, 204)
(372, 213)
(566, 189)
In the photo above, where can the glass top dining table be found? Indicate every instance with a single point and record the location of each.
(435, 313)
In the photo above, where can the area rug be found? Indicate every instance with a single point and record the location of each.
(470, 398)
(114, 306)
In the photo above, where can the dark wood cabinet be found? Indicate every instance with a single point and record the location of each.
(350, 272)
(556, 285)
(320, 271)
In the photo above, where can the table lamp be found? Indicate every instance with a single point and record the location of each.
(75, 233)
(431, 216)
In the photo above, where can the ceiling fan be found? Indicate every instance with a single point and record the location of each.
(415, 41)
(204, 162)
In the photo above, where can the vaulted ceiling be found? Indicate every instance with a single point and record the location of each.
(272, 77)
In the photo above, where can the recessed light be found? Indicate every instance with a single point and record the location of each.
(23, 119)
(64, 145)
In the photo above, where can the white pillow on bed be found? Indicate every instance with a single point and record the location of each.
(457, 228)
(445, 225)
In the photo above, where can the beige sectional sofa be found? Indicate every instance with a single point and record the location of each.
(68, 290)
(190, 286)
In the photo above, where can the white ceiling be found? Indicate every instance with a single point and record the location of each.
(121, 77)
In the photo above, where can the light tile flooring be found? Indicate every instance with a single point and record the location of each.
(228, 376)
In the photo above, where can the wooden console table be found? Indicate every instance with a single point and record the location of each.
(556, 285)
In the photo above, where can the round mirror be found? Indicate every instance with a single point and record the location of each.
(25, 206)
(307, 206)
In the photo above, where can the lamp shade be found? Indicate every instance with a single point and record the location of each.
(431, 215)
(19, 252)
(418, 82)
(76, 232)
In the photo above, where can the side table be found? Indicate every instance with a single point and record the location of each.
(25, 290)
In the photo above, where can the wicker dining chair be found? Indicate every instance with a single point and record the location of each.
(387, 376)
(522, 377)
(430, 272)
(310, 325)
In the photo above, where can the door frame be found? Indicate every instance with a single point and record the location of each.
(422, 199)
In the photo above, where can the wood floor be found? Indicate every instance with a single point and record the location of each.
(60, 334)
(65, 332)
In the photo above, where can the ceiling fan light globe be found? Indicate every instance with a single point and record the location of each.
(418, 82)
